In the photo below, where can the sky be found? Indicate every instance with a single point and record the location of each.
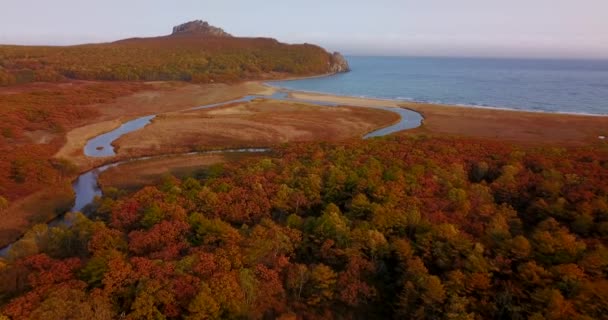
(492, 28)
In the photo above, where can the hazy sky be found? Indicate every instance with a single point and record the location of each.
(537, 28)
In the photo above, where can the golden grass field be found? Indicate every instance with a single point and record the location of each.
(519, 127)
(259, 123)
(147, 172)
(169, 97)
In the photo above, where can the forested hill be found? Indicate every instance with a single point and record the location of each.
(202, 54)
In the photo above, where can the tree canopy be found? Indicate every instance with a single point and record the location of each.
(421, 228)
(184, 58)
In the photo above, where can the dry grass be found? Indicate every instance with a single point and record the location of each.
(169, 97)
(38, 207)
(175, 97)
(257, 123)
(76, 139)
(157, 97)
(262, 123)
(528, 128)
(520, 127)
(147, 172)
(131, 176)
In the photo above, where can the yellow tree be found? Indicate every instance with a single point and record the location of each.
(323, 280)
(3, 203)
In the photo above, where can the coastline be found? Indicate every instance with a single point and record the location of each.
(503, 125)
(296, 78)
(413, 101)
(524, 127)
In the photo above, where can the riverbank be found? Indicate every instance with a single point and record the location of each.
(134, 175)
(257, 123)
(145, 103)
(271, 122)
(519, 127)
(42, 204)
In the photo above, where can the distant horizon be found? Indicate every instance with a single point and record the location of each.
(349, 54)
(542, 29)
(346, 53)
(478, 57)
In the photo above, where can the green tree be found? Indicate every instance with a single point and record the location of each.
(360, 207)
(151, 216)
(333, 225)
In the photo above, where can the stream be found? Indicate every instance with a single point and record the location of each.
(86, 187)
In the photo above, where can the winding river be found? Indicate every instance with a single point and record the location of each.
(86, 186)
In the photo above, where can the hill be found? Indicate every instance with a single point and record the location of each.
(195, 52)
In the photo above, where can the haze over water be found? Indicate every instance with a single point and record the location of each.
(571, 86)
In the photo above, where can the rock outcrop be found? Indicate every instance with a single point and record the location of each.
(338, 63)
(199, 27)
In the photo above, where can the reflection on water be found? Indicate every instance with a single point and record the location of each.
(409, 120)
(86, 187)
(101, 146)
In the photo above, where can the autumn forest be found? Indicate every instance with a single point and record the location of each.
(417, 224)
(47, 91)
(184, 58)
(396, 227)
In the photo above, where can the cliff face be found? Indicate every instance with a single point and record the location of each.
(199, 27)
(338, 63)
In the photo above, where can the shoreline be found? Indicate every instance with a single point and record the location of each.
(412, 101)
(515, 126)
(296, 78)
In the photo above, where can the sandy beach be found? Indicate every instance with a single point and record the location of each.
(519, 127)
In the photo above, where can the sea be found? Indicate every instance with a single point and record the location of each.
(543, 85)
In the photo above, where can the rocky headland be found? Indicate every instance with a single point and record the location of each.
(199, 27)
(338, 63)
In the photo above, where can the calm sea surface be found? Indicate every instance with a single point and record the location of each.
(571, 86)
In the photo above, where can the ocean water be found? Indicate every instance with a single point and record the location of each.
(566, 86)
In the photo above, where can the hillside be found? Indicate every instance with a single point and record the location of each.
(390, 228)
(195, 52)
(42, 97)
